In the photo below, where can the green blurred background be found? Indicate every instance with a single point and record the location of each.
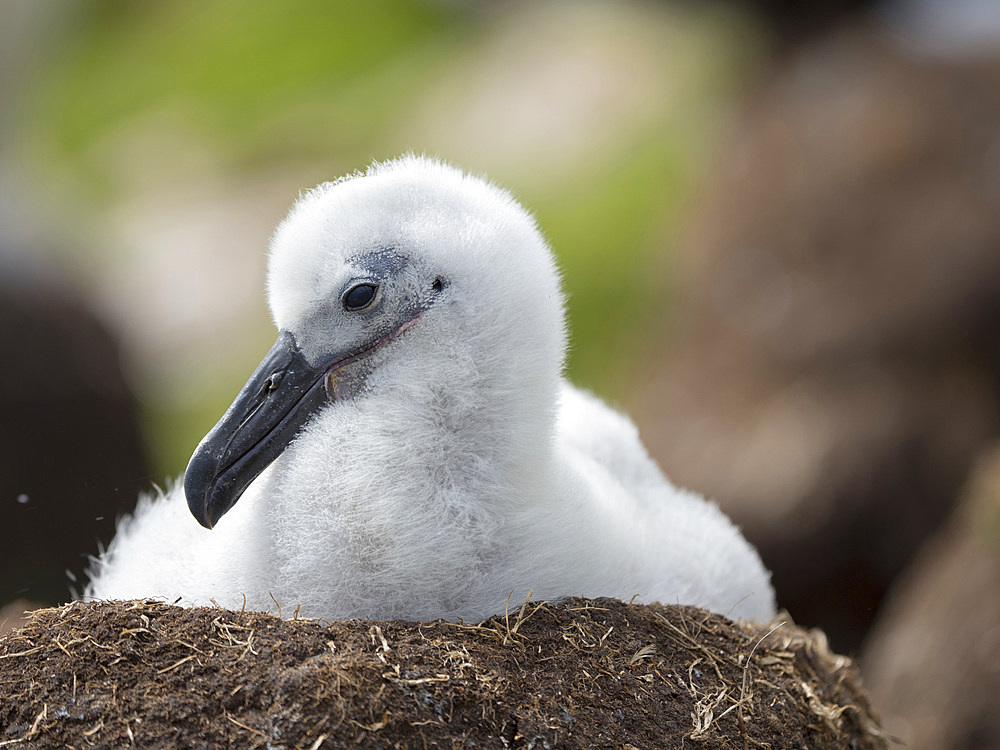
(158, 143)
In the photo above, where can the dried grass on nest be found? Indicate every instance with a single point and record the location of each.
(582, 673)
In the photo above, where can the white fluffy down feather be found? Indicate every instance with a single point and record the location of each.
(465, 470)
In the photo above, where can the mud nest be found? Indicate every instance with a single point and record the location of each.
(582, 673)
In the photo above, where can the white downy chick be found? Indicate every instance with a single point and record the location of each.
(409, 448)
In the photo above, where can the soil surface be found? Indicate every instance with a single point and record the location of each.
(583, 673)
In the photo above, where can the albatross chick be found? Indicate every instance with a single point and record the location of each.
(409, 449)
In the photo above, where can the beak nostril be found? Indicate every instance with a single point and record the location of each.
(271, 383)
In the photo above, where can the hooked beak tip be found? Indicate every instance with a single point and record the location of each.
(200, 481)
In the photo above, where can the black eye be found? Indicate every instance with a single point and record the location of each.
(359, 297)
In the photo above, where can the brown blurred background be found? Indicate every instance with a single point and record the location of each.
(793, 207)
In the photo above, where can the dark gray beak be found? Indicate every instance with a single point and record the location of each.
(281, 395)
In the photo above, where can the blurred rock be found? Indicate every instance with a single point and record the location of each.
(837, 363)
(71, 457)
(932, 663)
(793, 22)
(16, 614)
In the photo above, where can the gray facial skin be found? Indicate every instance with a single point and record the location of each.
(324, 360)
